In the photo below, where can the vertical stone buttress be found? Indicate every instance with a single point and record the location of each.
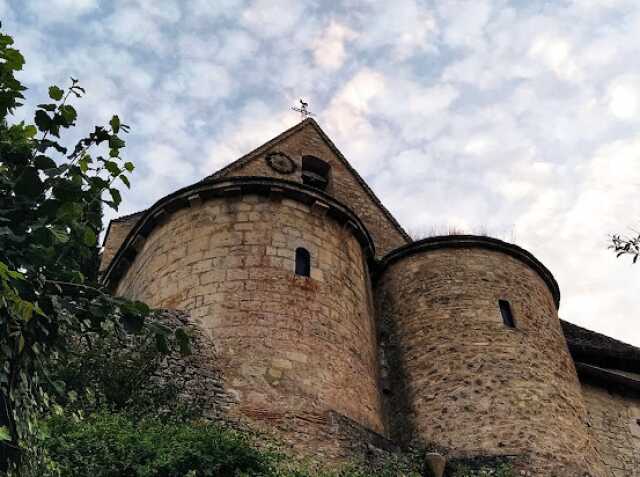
(459, 377)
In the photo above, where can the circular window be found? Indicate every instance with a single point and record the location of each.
(280, 162)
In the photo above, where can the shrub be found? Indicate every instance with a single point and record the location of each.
(114, 445)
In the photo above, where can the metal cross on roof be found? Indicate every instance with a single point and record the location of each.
(304, 112)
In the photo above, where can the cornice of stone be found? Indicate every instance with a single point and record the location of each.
(226, 187)
(474, 241)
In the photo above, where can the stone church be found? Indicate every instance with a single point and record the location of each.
(335, 329)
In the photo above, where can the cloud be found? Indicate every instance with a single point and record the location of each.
(407, 29)
(464, 22)
(254, 124)
(200, 80)
(492, 115)
(60, 11)
(555, 53)
(623, 94)
(270, 18)
(329, 51)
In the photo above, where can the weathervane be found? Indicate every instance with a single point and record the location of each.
(304, 112)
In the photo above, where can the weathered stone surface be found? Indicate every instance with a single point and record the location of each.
(461, 379)
(196, 377)
(613, 421)
(118, 230)
(287, 345)
(300, 355)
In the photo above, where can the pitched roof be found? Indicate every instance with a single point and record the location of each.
(599, 350)
(289, 132)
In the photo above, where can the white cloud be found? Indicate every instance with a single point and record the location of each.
(488, 114)
(556, 54)
(237, 46)
(51, 11)
(271, 18)
(329, 50)
(465, 21)
(252, 125)
(133, 26)
(407, 29)
(623, 95)
(200, 80)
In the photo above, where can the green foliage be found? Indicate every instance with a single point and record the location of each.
(51, 201)
(113, 445)
(117, 371)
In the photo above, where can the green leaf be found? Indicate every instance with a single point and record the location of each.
(77, 277)
(51, 107)
(24, 309)
(129, 166)
(4, 434)
(89, 237)
(42, 120)
(115, 195)
(70, 211)
(21, 343)
(115, 123)
(112, 167)
(46, 143)
(58, 386)
(29, 183)
(55, 93)
(43, 162)
(30, 131)
(115, 142)
(68, 113)
(59, 234)
(13, 59)
(124, 179)
(84, 163)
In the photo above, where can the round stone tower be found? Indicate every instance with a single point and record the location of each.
(277, 273)
(470, 330)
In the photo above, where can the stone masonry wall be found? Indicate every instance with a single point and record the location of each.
(461, 379)
(291, 348)
(118, 231)
(342, 185)
(613, 419)
(197, 377)
(332, 437)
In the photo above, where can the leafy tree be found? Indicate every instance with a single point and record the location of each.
(622, 245)
(51, 200)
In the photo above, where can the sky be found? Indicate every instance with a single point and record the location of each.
(517, 119)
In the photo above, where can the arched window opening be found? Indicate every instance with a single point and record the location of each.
(315, 172)
(507, 315)
(303, 262)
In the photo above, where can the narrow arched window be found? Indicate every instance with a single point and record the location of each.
(507, 315)
(303, 262)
